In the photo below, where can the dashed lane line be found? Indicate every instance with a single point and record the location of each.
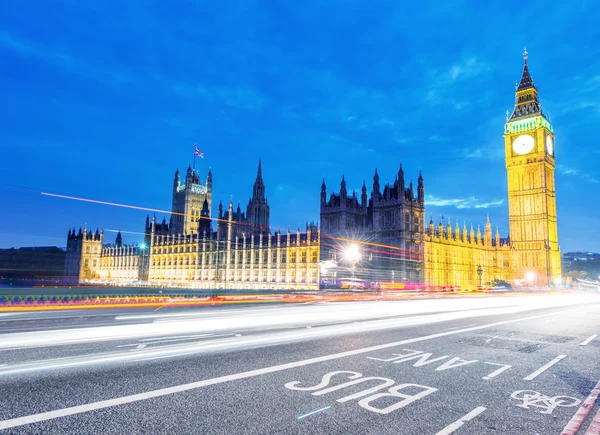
(588, 340)
(461, 421)
(543, 368)
(74, 410)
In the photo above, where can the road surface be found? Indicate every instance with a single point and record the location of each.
(497, 365)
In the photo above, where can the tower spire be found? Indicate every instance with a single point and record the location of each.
(526, 81)
(527, 102)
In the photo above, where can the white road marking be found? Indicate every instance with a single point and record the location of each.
(50, 415)
(182, 337)
(456, 327)
(543, 368)
(497, 372)
(461, 421)
(588, 340)
(158, 340)
(576, 421)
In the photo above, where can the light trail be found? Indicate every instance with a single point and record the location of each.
(158, 210)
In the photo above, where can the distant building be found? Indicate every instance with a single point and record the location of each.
(32, 264)
(390, 221)
(569, 257)
(240, 253)
(188, 200)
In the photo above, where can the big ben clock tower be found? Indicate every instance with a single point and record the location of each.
(529, 148)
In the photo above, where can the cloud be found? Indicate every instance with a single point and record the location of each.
(467, 68)
(245, 98)
(445, 81)
(461, 203)
(484, 153)
(63, 60)
(566, 170)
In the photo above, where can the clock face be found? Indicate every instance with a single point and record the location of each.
(523, 144)
(549, 145)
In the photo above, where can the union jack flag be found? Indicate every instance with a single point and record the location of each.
(198, 152)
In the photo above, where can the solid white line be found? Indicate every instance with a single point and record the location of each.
(456, 327)
(588, 340)
(543, 368)
(50, 415)
(461, 421)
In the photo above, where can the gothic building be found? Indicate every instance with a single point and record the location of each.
(84, 250)
(531, 253)
(388, 224)
(239, 253)
(378, 237)
(256, 220)
(188, 200)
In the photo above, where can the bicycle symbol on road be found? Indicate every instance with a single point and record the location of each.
(535, 399)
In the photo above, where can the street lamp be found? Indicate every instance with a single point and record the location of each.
(352, 255)
(548, 271)
(530, 277)
(480, 274)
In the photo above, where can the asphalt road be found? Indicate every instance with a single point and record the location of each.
(497, 365)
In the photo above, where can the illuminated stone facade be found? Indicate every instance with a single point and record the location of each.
(529, 148)
(531, 254)
(454, 257)
(388, 225)
(186, 252)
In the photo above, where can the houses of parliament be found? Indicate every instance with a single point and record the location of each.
(387, 230)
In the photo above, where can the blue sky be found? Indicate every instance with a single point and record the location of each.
(104, 100)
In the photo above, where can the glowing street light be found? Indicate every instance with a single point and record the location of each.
(142, 246)
(530, 277)
(352, 253)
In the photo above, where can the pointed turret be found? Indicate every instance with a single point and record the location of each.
(259, 186)
(472, 234)
(497, 237)
(209, 180)
(343, 192)
(363, 195)
(527, 101)
(401, 178)
(119, 240)
(457, 230)
(323, 192)
(176, 180)
(421, 188)
(464, 231)
(376, 187)
(526, 80)
(487, 233)
(431, 226)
